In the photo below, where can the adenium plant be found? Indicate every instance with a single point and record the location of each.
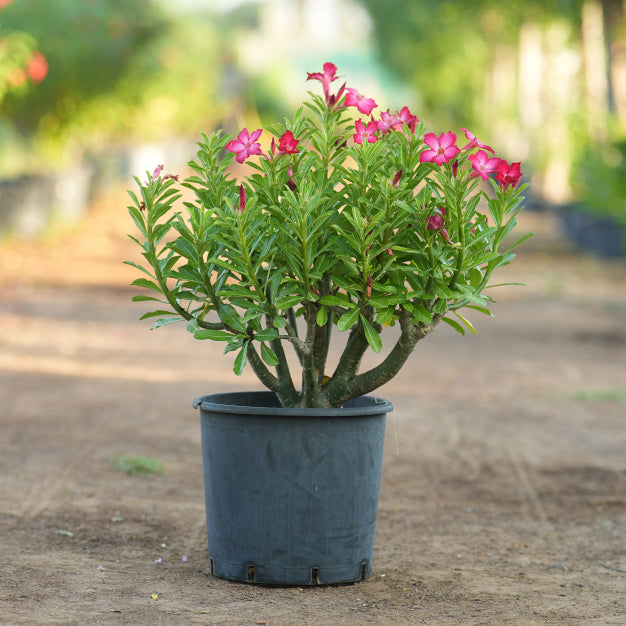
(346, 223)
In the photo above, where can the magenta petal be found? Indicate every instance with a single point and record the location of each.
(235, 146)
(447, 139)
(255, 135)
(450, 152)
(431, 140)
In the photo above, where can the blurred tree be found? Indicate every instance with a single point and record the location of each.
(169, 88)
(88, 46)
(446, 48)
(20, 63)
(543, 79)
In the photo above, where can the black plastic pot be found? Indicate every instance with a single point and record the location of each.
(291, 494)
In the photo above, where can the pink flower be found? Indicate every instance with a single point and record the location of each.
(363, 104)
(245, 145)
(330, 69)
(474, 142)
(157, 171)
(396, 179)
(406, 117)
(508, 175)
(365, 133)
(287, 144)
(436, 222)
(483, 164)
(443, 148)
(157, 174)
(397, 120)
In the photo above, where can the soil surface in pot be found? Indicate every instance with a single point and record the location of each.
(503, 498)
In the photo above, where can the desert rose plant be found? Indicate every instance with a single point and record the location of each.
(345, 224)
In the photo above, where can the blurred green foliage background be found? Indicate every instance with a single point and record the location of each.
(544, 81)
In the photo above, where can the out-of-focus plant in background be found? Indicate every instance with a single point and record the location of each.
(544, 79)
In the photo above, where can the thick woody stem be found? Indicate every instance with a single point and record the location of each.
(282, 387)
(345, 389)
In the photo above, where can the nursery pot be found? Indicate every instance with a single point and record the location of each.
(291, 494)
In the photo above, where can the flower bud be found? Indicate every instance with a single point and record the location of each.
(396, 178)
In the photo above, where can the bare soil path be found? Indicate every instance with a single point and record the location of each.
(504, 483)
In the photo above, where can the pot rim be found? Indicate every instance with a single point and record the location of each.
(266, 404)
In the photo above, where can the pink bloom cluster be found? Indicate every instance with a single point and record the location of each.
(443, 149)
(440, 149)
(246, 144)
(385, 124)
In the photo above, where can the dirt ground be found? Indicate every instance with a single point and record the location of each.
(503, 498)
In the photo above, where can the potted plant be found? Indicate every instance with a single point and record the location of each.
(341, 228)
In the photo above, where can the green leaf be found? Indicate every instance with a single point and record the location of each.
(139, 267)
(267, 334)
(467, 323)
(475, 277)
(385, 316)
(142, 298)
(421, 314)
(373, 338)
(165, 321)
(322, 316)
(444, 292)
(332, 301)
(240, 360)
(521, 240)
(287, 302)
(154, 314)
(230, 317)
(279, 322)
(148, 284)
(480, 309)
(235, 343)
(455, 325)
(268, 355)
(229, 291)
(139, 220)
(348, 320)
(213, 335)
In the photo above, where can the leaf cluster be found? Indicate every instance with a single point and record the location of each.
(334, 237)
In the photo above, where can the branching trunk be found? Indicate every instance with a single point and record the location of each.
(347, 384)
(282, 387)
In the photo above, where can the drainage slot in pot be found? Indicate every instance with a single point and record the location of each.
(364, 570)
(315, 575)
(250, 573)
(212, 565)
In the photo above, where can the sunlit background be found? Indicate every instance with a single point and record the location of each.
(92, 92)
